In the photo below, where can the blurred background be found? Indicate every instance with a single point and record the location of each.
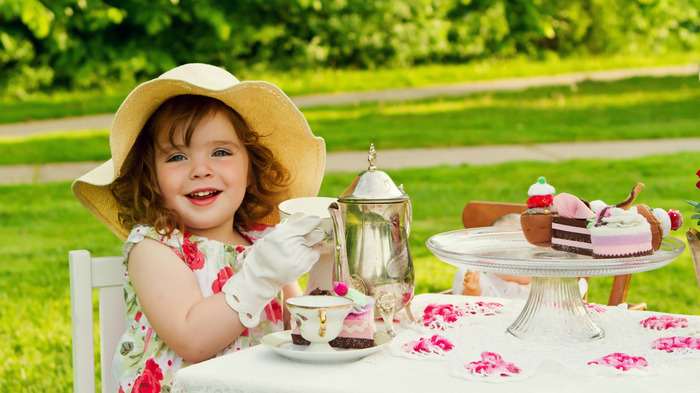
(86, 44)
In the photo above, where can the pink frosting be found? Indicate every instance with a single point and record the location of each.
(571, 206)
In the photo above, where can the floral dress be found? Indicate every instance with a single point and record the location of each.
(142, 359)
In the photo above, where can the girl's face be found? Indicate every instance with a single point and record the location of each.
(206, 181)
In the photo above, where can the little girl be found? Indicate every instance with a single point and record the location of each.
(200, 162)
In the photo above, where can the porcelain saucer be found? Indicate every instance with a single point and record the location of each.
(281, 342)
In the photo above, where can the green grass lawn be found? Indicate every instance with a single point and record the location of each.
(41, 223)
(638, 108)
(317, 81)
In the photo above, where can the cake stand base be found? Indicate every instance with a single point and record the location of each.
(555, 308)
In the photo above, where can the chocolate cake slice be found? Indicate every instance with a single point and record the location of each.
(571, 235)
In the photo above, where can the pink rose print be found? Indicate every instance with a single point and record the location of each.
(436, 344)
(441, 316)
(193, 257)
(676, 344)
(621, 361)
(664, 322)
(221, 277)
(492, 363)
(150, 378)
(273, 311)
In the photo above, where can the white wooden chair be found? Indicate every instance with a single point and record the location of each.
(107, 274)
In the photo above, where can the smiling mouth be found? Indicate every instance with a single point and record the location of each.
(203, 194)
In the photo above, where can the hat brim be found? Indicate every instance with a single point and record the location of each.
(264, 107)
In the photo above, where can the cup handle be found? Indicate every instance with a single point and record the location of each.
(322, 329)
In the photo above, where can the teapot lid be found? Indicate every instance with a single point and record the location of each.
(373, 185)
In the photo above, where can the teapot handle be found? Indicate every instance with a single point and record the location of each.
(341, 272)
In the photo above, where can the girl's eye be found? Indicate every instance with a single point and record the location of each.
(221, 153)
(176, 157)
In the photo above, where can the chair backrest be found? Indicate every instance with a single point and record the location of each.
(106, 274)
(485, 213)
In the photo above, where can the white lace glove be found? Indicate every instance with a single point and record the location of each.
(279, 258)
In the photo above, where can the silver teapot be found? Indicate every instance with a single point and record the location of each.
(371, 221)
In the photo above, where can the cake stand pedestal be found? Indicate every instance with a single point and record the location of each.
(555, 308)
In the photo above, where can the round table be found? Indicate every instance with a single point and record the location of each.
(554, 307)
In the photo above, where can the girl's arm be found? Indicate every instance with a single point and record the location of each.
(196, 328)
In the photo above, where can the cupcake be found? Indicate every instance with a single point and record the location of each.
(536, 222)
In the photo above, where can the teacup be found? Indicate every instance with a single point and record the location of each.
(319, 318)
(317, 206)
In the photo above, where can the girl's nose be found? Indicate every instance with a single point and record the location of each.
(201, 169)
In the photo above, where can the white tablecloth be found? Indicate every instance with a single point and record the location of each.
(545, 368)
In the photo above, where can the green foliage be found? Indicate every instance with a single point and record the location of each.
(80, 44)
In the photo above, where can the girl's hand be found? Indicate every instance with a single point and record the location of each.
(279, 258)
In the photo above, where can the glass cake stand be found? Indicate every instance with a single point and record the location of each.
(555, 306)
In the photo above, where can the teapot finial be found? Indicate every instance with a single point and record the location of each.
(372, 158)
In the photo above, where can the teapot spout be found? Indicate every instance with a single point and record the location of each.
(341, 273)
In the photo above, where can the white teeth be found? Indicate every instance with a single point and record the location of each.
(202, 193)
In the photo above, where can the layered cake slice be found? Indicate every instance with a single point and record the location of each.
(570, 231)
(358, 327)
(620, 233)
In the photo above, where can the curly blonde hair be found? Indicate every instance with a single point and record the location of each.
(136, 188)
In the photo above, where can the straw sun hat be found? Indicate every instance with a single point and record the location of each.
(263, 106)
